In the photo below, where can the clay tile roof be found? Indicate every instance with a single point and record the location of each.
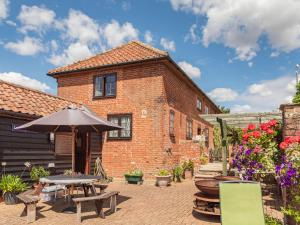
(18, 99)
(131, 52)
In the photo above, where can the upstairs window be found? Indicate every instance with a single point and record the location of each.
(124, 121)
(206, 110)
(171, 122)
(199, 104)
(105, 86)
(189, 129)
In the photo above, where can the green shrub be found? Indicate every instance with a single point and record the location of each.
(37, 172)
(12, 183)
(272, 221)
(163, 173)
(135, 172)
(177, 173)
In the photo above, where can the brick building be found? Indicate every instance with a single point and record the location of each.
(142, 89)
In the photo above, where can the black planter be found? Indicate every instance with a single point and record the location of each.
(10, 198)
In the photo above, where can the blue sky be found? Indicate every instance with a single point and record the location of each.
(242, 53)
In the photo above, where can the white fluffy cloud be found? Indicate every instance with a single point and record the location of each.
(116, 34)
(27, 46)
(148, 36)
(35, 18)
(167, 44)
(223, 94)
(191, 71)
(260, 89)
(240, 24)
(263, 96)
(23, 80)
(4, 9)
(240, 108)
(73, 53)
(80, 27)
(193, 35)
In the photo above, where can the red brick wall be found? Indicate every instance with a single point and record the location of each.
(291, 119)
(150, 87)
(182, 98)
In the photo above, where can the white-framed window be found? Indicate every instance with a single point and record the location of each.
(199, 104)
(189, 129)
(206, 110)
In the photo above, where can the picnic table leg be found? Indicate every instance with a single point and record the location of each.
(78, 212)
(85, 190)
(99, 208)
(113, 204)
(31, 213)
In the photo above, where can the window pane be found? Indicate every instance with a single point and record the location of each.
(125, 123)
(199, 104)
(171, 125)
(114, 133)
(110, 85)
(98, 86)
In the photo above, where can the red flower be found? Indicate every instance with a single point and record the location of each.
(245, 130)
(251, 126)
(264, 126)
(272, 122)
(256, 134)
(270, 131)
(245, 137)
(283, 145)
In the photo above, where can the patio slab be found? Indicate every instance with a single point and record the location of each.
(140, 205)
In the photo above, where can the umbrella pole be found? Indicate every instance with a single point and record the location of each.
(73, 148)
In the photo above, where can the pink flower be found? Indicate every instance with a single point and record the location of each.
(257, 149)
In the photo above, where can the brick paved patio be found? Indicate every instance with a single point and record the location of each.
(141, 205)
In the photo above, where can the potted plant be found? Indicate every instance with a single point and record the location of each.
(163, 178)
(134, 176)
(36, 173)
(11, 185)
(188, 168)
(177, 173)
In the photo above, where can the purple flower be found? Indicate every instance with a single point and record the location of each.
(248, 152)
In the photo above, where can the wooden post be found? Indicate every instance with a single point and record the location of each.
(223, 126)
(73, 148)
(88, 153)
(31, 212)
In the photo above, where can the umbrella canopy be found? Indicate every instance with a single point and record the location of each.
(67, 120)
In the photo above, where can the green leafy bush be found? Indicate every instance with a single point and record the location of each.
(272, 221)
(37, 172)
(134, 172)
(177, 173)
(163, 173)
(12, 183)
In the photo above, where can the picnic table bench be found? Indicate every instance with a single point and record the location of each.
(30, 198)
(98, 200)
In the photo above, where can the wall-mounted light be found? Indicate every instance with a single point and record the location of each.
(52, 137)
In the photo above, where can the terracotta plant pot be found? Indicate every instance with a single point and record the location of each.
(188, 174)
(10, 198)
(163, 181)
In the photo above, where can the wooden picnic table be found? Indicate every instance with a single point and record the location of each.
(87, 182)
